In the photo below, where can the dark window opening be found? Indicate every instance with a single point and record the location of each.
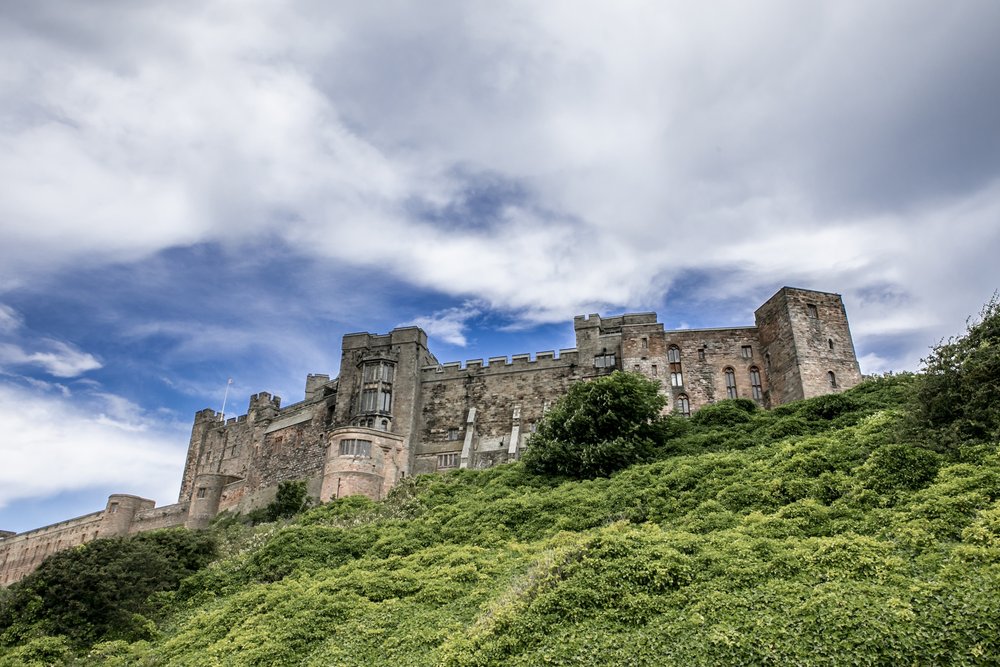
(730, 383)
(812, 310)
(755, 386)
(833, 378)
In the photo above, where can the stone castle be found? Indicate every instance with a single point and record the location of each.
(395, 411)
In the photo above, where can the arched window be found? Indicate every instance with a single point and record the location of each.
(755, 386)
(682, 405)
(730, 383)
(674, 359)
(832, 377)
(829, 341)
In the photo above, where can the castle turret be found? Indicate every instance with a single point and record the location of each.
(120, 512)
(205, 499)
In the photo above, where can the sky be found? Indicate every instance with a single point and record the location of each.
(197, 191)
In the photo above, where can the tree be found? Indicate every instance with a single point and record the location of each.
(599, 427)
(956, 400)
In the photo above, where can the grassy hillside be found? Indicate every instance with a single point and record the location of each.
(806, 535)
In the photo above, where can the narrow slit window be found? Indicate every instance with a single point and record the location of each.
(755, 387)
(812, 310)
(832, 377)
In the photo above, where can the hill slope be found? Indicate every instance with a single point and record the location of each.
(804, 535)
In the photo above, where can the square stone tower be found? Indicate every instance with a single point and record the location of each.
(808, 350)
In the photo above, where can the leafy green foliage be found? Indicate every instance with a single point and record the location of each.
(956, 400)
(100, 590)
(599, 427)
(804, 535)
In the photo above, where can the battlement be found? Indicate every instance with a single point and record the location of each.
(265, 400)
(496, 365)
(614, 324)
(398, 336)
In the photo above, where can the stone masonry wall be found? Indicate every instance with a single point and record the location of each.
(454, 415)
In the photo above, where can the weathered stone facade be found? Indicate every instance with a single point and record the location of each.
(394, 410)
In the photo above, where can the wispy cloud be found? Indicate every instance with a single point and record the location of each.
(450, 324)
(54, 445)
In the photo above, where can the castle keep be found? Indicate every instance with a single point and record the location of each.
(394, 410)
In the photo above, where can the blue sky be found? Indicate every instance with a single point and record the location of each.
(197, 191)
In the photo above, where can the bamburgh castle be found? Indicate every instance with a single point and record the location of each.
(395, 411)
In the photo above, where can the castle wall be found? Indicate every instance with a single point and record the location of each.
(478, 411)
(705, 354)
(21, 553)
(403, 413)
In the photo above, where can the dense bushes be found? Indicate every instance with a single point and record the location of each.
(956, 398)
(599, 427)
(100, 590)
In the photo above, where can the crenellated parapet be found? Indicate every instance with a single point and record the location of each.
(498, 365)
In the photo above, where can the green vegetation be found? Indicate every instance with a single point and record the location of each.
(600, 427)
(101, 590)
(957, 401)
(813, 534)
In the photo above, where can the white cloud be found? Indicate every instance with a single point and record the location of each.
(830, 147)
(58, 358)
(55, 445)
(10, 319)
(450, 324)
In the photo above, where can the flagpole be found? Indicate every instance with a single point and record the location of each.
(226, 398)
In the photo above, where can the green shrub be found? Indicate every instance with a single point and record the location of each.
(100, 590)
(729, 412)
(600, 427)
(955, 400)
(900, 467)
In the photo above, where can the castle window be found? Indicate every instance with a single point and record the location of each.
(682, 405)
(636, 368)
(604, 360)
(385, 425)
(829, 342)
(833, 378)
(767, 361)
(376, 393)
(701, 354)
(812, 311)
(674, 358)
(654, 370)
(447, 461)
(354, 447)
(645, 343)
(453, 434)
(113, 508)
(730, 383)
(746, 352)
(755, 386)
(201, 492)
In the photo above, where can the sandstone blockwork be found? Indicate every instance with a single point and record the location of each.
(394, 411)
